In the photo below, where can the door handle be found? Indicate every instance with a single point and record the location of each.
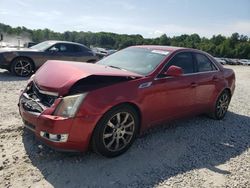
(194, 84)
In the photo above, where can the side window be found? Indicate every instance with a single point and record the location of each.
(183, 60)
(72, 48)
(59, 48)
(63, 48)
(77, 49)
(203, 63)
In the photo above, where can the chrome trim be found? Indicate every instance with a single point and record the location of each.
(49, 93)
(218, 70)
(33, 113)
(189, 74)
(145, 85)
(46, 92)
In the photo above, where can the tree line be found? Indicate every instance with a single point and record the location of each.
(235, 46)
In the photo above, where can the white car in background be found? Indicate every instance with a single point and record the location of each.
(221, 61)
(245, 62)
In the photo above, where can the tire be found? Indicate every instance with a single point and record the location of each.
(22, 66)
(91, 61)
(116, 131)
(221, 105)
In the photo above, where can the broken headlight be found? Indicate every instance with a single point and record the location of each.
(69, 105)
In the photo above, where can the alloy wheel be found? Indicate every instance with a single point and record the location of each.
(119, 131)
(222, 105)
(23, 67)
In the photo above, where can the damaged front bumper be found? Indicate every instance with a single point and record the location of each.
(67, 134)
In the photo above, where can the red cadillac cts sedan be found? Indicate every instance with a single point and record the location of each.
(72, 106)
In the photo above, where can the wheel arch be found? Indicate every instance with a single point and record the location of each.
(225, 89)
(137, 109)
(228, 90)
(216, 96)
(131, 104)
(211, 111)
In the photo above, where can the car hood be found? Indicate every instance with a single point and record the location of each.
(60, 76)
(17, 50)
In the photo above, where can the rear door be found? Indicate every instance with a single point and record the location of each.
(83, 54)
(208, 80)
(65, 52)
(57, 52)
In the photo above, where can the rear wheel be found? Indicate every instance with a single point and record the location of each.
(91, 61)
(116, 131)
(221, 106)
(22, 66)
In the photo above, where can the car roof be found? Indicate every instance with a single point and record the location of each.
(67, 42)
(164, 48)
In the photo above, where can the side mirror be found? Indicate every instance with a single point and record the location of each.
(174, 71)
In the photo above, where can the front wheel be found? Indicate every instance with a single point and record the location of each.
(116, 131)
(221, 106)
(22, 66)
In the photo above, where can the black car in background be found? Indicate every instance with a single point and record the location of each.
(24, 61)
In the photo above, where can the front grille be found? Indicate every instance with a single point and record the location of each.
(34, 101)
(30, 105)
(46, 100)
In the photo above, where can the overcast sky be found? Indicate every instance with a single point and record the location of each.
(150, 18)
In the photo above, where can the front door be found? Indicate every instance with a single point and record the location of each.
(173, 97)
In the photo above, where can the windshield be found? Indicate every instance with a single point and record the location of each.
(43, 45)
(138, 60)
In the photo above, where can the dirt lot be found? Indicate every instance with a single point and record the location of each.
(197, 152)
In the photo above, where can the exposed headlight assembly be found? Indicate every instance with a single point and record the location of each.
(69, 105)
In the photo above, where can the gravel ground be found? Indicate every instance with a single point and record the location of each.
(197, 152)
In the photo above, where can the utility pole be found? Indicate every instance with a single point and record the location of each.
(1, 38)
(19, 41)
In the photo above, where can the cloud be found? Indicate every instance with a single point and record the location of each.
(55, 19)
(23, 4)
(4, 12)
(46, 15)
(156, 33)
(125, 5)
(123, 25)
(105, 23)
(98, 23)
(242, 27)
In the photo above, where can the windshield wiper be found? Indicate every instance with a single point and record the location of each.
(116, 67)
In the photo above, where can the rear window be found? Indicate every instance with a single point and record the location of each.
(203, 63)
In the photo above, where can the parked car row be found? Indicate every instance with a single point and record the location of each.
(229, 61)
